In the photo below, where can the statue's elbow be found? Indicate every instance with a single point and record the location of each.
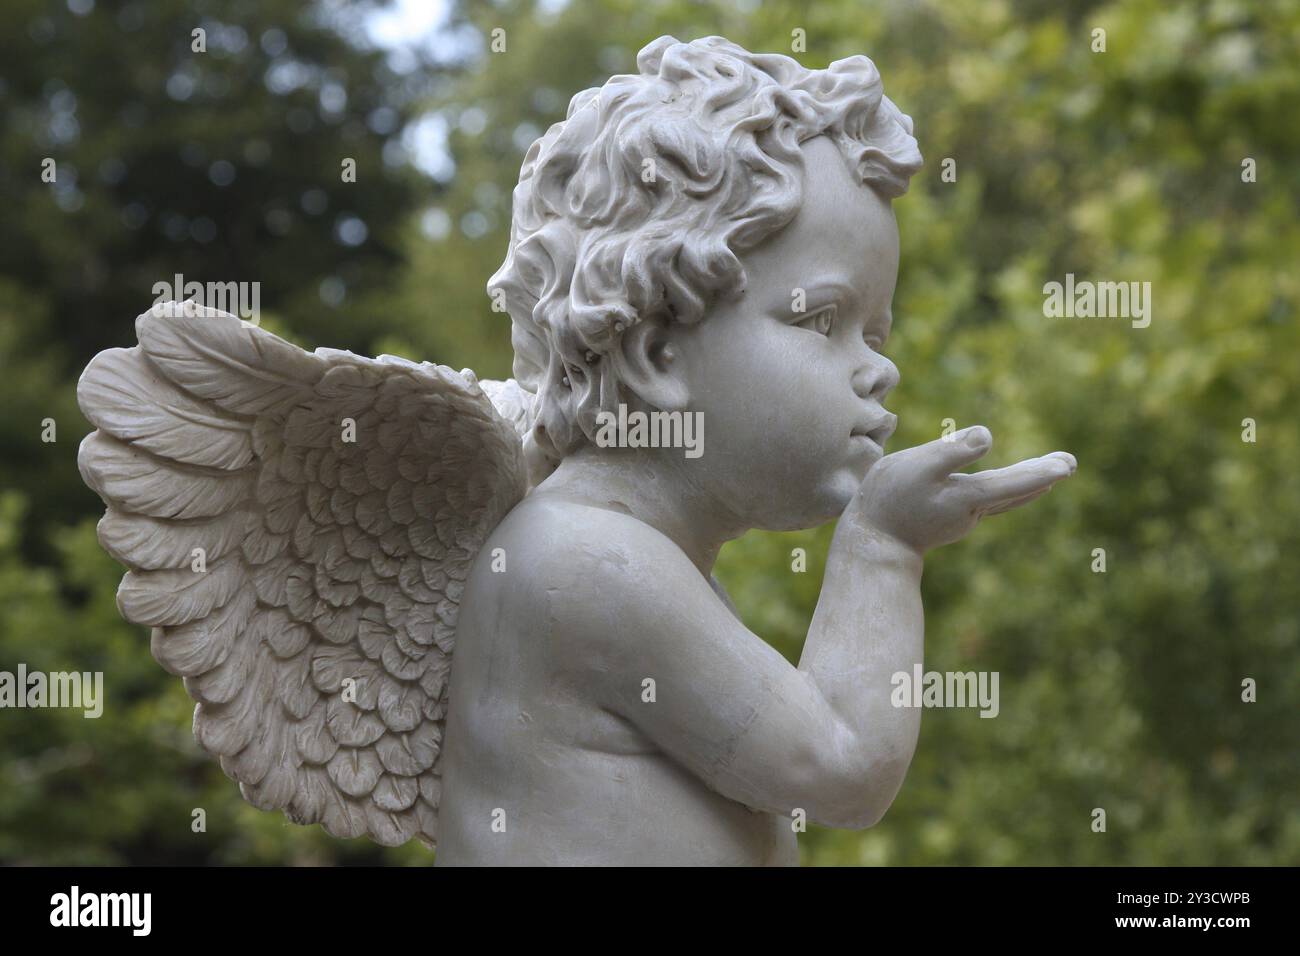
(841, 781)
(867, 814)
(864, 793)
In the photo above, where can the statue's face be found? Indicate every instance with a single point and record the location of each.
(791, 400)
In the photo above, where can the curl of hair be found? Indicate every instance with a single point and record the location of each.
(637, 204)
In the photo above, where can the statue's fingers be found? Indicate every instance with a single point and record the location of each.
(1066, 457)
(1002, 506)
(1015, 481)
(956, 451)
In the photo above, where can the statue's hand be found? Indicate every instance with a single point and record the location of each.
(914, 497)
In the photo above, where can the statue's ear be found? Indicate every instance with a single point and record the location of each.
(648, 365)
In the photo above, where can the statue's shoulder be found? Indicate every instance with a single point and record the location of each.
(558, 550)
(554, 533)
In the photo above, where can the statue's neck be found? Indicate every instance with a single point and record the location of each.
(654, 489)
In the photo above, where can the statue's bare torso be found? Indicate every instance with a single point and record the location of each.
(535, 771)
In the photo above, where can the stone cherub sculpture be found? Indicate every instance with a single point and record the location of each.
(660, 236)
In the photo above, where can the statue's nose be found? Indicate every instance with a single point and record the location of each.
(875, 379)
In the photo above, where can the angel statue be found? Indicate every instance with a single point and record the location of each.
(414, 605)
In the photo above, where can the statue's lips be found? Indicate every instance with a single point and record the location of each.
(877, 430)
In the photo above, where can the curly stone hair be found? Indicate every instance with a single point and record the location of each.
(637, 204)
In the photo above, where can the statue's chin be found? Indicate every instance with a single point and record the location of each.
(811, 510)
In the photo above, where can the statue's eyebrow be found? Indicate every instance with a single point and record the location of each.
(884, 324)
(817, 291)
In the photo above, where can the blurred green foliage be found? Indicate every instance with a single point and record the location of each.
(1120, 690)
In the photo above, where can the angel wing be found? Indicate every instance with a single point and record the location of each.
(298, 528)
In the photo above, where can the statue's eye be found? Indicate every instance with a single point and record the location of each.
(820, 321)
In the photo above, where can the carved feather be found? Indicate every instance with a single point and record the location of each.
(302, 580)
